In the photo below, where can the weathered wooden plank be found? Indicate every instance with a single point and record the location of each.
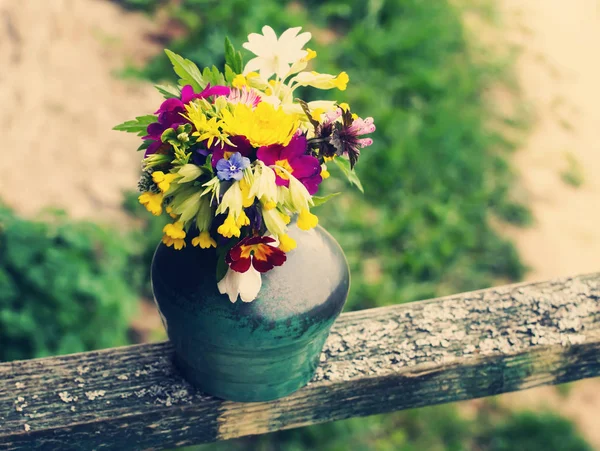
(448, 349)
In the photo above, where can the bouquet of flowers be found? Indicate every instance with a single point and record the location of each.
(232, 156)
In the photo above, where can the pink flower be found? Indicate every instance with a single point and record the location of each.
(292, 159)
(246, 96)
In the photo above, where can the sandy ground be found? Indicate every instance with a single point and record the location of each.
(559, 72)
(59, 101)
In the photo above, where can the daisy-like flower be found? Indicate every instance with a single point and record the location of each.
(275, 55)
(258, 251)
(245, 95)
(262, 126)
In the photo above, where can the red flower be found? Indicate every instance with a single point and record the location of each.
(256, 251)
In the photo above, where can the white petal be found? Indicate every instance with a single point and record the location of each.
(267, 69)
(253, 65)
(282, 68)
(227, 285)
(297, 42)
(269, 33)
(288, 36)
(246, 284)
(250, 284)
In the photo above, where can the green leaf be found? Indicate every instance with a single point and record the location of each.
(320, 200)
(222, 265)
(188, 72)
(344, 165)
(168, 92)
(213, 76)
(232, 58)
(229, 74)
(145, 144)
(138, 125)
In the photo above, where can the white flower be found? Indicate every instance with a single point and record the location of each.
(245, 284)
(273, 55)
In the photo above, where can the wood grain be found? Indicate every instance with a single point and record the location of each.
(381, 360)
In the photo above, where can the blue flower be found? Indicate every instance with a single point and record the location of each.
(232, 168)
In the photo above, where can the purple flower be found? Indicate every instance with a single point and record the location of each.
(292, 159)
(232, 168)
(346, 136)
(171, 110)
(333, 137)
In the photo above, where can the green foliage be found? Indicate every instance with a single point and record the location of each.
(188, 72)
(349, 173)
(138, 125)
(527, 431)
(233, 58)
(64, 287)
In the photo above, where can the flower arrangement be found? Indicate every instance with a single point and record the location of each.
(232, 156)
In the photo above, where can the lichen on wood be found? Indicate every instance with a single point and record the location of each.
(453, 348)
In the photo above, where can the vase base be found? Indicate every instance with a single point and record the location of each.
(241, 391)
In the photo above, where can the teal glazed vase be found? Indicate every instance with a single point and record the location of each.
(256, 351)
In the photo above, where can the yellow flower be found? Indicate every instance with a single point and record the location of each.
(242, 220)
(262, 126)
(177, 243)
(341, 81)
(285, 218)
(269, 205)
(229, 228)
(169, 210)
(204, 240)
(207, 129)
(316, 113)
(325, 174)
(163, 180)
(322, 81)
(211, 132)
(310, 54)
(286, 243)
(174, 230)
(247, 198)
(152, 202)
(306, 220)
(239, 81)
(344, 106)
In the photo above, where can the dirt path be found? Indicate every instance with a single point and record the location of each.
(559, 73)
(59, 101)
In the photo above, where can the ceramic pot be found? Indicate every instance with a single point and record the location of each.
(256, 351)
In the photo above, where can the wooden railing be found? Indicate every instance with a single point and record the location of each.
(381, 360)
